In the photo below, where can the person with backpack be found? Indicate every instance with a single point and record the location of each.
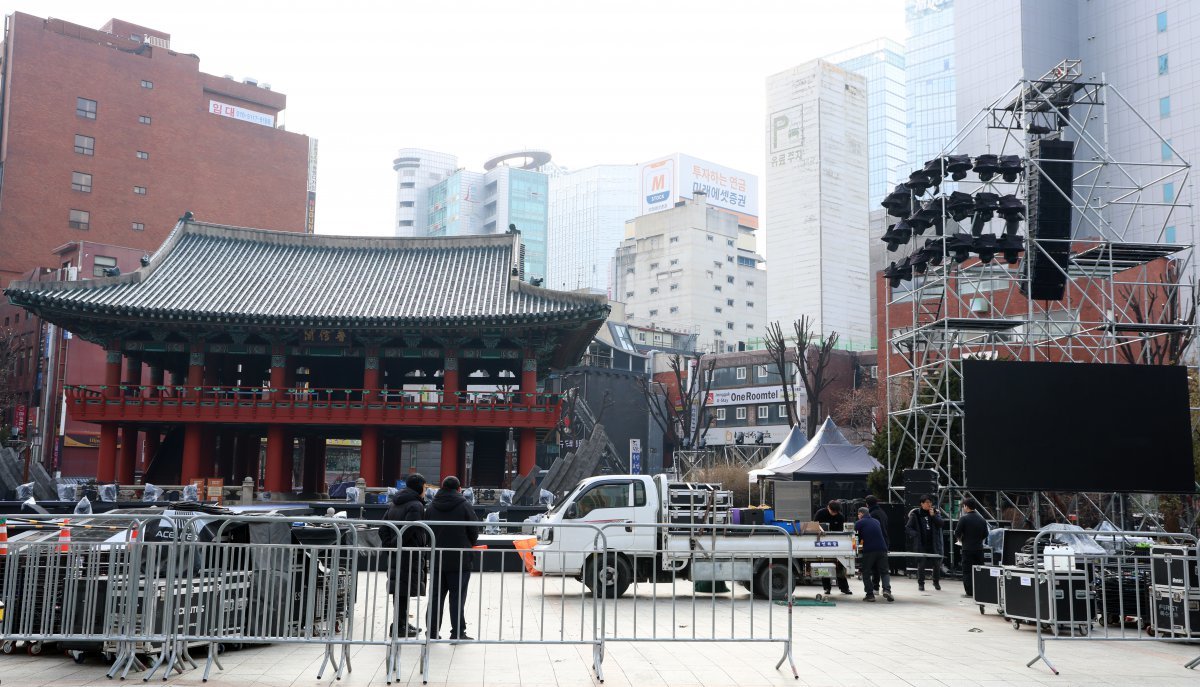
(924, 531)
(451, 570)
(408, 570)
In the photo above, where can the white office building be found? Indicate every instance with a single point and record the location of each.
(587, 215)
(693, 268)
(816, 233)
(417, 171)
(1144, 49)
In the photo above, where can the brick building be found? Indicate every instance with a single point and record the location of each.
(107, 137)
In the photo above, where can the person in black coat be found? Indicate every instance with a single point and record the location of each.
(407, 571)
(972, 532)
(451, 570)
(876, 511)
(924, 530)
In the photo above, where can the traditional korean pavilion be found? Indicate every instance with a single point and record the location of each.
(228, 335)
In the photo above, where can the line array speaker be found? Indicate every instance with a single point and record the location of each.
(1049, 220)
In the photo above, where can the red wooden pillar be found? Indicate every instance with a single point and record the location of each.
(112, 372)
(391, 461)
(368, 467)
(127, 455)
(193, 433)
(450, 452)
(278, 473)
(527, 446)
(314, 464)
(529, 375)
(106, 460)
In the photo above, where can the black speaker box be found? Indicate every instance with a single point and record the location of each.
(1049, 219)
(917, 483)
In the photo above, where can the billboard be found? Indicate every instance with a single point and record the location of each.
(667, 179)
(234, 112)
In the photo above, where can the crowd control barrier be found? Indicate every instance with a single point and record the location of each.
(1107, 586)
(161, 594)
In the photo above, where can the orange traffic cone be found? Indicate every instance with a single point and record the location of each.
(64, 537)
(3, 536)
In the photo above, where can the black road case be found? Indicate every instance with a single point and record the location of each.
(986, 587)
(1176, 614)
(1064, 601)
(1174, 566)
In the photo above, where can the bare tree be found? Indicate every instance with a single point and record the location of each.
(1165, 348)
(777, 348)
(678, 407)
(855, 409)
(8, 369)
(813, 354)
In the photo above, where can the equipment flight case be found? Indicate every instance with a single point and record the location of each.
(986, 588)
(1063, 602)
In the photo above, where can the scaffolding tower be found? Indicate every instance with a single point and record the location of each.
(1129, 296)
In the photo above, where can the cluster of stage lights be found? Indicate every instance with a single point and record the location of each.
(917, 215)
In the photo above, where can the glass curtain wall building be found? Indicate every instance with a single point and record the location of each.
(929, 68)
(588, 211)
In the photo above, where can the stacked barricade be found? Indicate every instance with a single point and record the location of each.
(1111, 586)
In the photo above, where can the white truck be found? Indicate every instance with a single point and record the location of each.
(646, 540)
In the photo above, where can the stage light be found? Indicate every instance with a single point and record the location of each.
(1010, 167)
(960, 205)
(935, 170)
(1011, 246)
(1013, 211)
(934, 212)
(897, 234)
(958, 166)
(899, 202)
(918, 261)
(917, 182)
(960, 246)
(985, 247)
(934, 250)
(898, 273)
(986, 204)
(921, 218)
(986, 166)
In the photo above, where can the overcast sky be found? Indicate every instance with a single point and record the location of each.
(617, 81)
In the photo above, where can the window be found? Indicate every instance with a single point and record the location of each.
(749, 283)
(139, 190)
(761, 371)
(85, 108)
(749, 325)
(720, 413)
(674, 239)
(603, 496)
(408, 184)
(407, 203)
(1169, 234)
(1167, 153)
(147, 84)
(143, 119)
(85, 145)
(741, 373)
(653, 313)
(728, 258)
(749, 304)
(674, 286)
(81, 181)
(675, 309)
(79, 219)
(138, 226)
(1161, 20)
(729, 325)
(764, 412)
(629, 294)
(782, 411)
(729, 242)
(741, 413)
(629, 270)
(1162, 65)
(729, 280)
(653, 289)
(654, 265)
(729, 302)
(406, 223)
(674, 261)
(717, 309)
(143, 155)
(1164, 107)
(709, 237)
(1169, 192)
(101, 263)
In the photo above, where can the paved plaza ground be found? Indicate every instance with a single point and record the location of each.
(924, 638)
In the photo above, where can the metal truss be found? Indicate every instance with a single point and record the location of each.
(1130, 285)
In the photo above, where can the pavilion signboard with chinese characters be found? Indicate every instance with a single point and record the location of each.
(234, 112)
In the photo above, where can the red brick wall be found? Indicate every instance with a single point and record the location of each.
(223, 170)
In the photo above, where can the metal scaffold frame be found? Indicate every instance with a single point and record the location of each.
(1130, 294)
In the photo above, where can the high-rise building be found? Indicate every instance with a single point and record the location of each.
(417, 171)
(816, 240)
(929, 78)
(693, 267)
(587, 215)
(1142, 49)
(447, 200)
(881, 63)
(109, 135)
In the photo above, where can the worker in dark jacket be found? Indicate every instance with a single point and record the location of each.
(874, 555)
(832, 520)
(878, 513)
(452, 560)
(407, 569)
(924, 530)
(971, 531)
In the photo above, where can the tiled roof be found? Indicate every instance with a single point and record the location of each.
(218, 274)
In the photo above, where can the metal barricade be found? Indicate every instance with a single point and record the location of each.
(1107, 586)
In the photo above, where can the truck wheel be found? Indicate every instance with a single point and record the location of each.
(772, 582)
(608, 575)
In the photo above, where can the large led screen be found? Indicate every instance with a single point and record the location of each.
(1077, 427)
